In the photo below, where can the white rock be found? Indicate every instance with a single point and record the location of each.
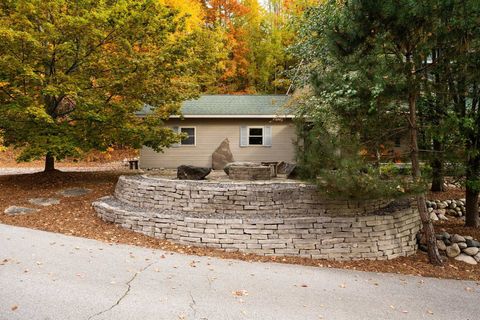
(471, 251)
(462, 245)
(457, 238)
(477, 257)
(442, 217)
(466, 258)
(441, 245)
(433, 216)
(453, 250)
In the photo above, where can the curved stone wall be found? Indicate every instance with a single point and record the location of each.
(266, 218)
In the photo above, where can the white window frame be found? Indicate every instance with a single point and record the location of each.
(180, 144)
(263, 136)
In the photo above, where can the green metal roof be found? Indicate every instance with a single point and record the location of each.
(231, 106)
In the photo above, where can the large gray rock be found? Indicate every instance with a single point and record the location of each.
(471, 251)
(453, 250)
(240, 164)
(16, 211)
(466, 258)
(44, 201)
(433, 216)
(441, 245)
(473, 243)
(186, 172)
(442, 217)
(457, 238)
(222, 155)
(477, 257)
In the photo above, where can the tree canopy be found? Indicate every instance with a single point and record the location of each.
(73, 73)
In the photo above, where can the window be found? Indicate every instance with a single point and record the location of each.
(190, 139)
(398, 142)
(255, 136)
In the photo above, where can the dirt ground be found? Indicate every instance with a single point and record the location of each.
(107, 158)
(75, 216)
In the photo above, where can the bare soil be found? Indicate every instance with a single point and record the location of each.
(75, 216)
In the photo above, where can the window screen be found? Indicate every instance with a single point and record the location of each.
(255, 136)
(190, 140)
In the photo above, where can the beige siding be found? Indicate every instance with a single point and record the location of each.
(211, 132)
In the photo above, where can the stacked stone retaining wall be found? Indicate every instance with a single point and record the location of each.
(265, 218)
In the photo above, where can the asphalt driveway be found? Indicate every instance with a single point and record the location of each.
(52, 276)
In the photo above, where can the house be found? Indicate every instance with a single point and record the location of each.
(258, 128)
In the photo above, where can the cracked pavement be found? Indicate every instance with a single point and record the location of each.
(52, 276)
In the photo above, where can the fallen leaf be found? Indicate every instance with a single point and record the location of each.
(240, 293)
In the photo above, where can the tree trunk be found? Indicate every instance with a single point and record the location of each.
(428, 231)
(472, 192)
(437, 167)
(49, 163)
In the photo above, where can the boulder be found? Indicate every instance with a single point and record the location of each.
(442, 205)
(240, 164)
(477, 257)
(473, 243)
(462, 245)
(457, 238)
(186, 172)
(453, 250)
(444, 235)
(466, 258)
(471, 251)
(222, 155)
(433, 216)
(442, 217)
(441, 245)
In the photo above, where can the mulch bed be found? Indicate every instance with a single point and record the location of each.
(75, 216)
(449, 194)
